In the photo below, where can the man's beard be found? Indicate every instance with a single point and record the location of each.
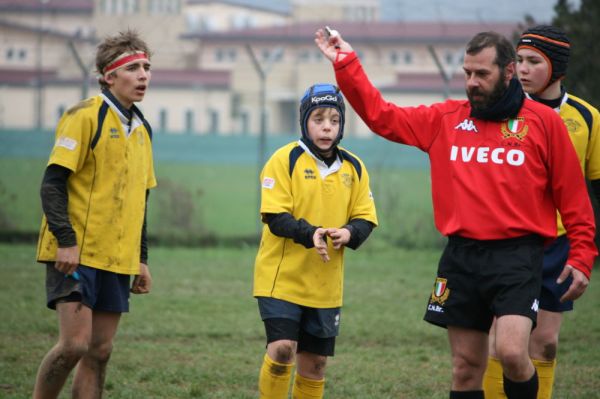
(487, 100)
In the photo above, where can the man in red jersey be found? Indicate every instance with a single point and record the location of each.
(501, 165)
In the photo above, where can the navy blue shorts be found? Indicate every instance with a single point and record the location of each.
(555, 259)
(97, 289)
(314, 329)
(480, 279)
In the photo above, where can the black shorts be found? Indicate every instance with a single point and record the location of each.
(479, 279)
(97, 289)
(555, 259)
(314, 329)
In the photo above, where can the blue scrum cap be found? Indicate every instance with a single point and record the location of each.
(321, 95)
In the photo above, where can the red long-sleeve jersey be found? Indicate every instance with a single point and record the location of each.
(490, 180)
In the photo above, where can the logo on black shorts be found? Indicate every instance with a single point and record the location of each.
(440, 292)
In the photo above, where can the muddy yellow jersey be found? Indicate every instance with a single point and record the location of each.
(111, 162)
(583, 123)
(294, 181)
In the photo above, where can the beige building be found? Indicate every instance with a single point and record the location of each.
(205, 78)
(399, 58)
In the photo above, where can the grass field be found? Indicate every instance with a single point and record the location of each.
(198, 334)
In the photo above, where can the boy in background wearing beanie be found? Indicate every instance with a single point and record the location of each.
(315, 201)
(542, 59)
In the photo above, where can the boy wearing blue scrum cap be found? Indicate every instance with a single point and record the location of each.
(315, 200)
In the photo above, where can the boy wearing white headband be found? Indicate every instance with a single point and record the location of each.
(93, 235)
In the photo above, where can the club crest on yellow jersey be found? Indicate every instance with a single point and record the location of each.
(347, 179)
(572, 125)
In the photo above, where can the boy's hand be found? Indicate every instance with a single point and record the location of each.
(320, 241)
(577, 287)
(67, 259)
(339, 237)
(143, 281)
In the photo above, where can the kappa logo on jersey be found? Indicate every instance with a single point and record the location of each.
(535, 306)
(309, 174)
(114, 133)
(572, 125)
(440, 292)
(268, 182)
(66, 142)
(514, 129)
(467, 125)
(498, 156)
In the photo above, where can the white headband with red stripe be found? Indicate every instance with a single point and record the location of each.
(125, 59)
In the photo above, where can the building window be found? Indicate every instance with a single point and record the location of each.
(9, 53)
(219, 55)
(60, 111)
(359, 13)
(452, 58)
(172, 7)
(232, 54)
(225, 54)
(239, 21)
(244, 123)
(193, 22)
(189, 121)
(153, 7)
(208, 24)
(213, 121)
(266, 53)
(303, 55)
(131, 6)
(162, 120)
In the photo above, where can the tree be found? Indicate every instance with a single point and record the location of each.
(581, 26)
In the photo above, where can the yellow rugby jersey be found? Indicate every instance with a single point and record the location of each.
(107, 190)
(583, 123)
(293, 181)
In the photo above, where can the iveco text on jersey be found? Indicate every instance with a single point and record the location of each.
(485, 154)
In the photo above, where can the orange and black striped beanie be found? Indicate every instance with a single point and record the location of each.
(552, 43)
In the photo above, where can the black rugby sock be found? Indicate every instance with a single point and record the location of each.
(466, 394)
(521, 390)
